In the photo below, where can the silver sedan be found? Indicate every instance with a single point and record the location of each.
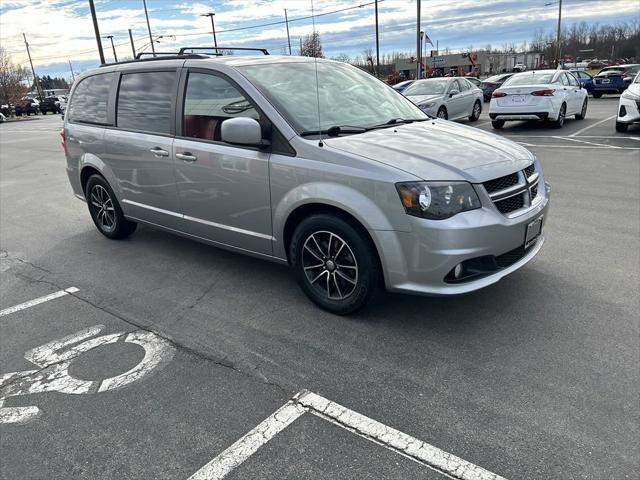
(449, 98)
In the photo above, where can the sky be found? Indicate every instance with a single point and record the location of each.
(59, 31)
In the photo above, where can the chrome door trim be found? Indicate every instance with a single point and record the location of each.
(199, 220)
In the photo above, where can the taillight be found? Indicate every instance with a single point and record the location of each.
(64, 141)
(497, 94)
(548, 92)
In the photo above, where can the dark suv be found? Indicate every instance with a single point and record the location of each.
(28, 106)
(50, 104)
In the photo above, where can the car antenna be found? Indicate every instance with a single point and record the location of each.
(315, 61)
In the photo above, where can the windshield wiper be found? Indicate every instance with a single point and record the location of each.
(335, 131)
(397, 121)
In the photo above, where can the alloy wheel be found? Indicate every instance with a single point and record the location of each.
(442, 114)
(476, 110)
(103, 208)
(330, 265)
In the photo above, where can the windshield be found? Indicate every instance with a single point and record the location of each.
(427, 87)
(529, 78)
(347, 95)
(637, 80)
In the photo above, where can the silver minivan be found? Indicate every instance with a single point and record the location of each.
(311, 163)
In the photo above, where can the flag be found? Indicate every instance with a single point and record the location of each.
(427, 39)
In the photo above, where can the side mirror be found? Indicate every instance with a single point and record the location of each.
(242, 131)
(453, 93)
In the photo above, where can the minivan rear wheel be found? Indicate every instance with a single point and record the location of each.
(105, 210)
(334, 263)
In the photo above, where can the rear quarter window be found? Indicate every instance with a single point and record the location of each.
(89, 101)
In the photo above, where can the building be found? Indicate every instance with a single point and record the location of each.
(462, 63)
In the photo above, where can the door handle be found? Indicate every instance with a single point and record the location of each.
(158, 152)
(187, 157)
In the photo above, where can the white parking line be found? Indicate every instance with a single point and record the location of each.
(374, 431)
(578, 146)
(575, 134)
(38, 301)
(571, 139)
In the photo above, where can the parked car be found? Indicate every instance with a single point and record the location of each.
(2, 118)
(549, 95)
(50, 104)
(27, 106)
(491, 83)
(306, 162)
(614, 79)
(8, 109)
(519, 67)
(400, 87)
(584, 79)
(447, 98)
(629, 106)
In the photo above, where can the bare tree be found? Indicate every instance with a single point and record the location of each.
(311, 46)
(12, 80)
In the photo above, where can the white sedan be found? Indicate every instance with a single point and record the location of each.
(548, 95)
(448, 98)
(629, 107)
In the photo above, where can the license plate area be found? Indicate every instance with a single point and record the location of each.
(517, 98)
(534, 229)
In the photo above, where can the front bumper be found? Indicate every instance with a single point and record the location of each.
(628, 110)
(420, 261)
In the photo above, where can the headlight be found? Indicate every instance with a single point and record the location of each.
(629, 94)
(426, 106)
(437, 200)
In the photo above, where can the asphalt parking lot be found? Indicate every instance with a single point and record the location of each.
(183, 352)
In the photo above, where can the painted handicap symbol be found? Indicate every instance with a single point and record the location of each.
(54, 359)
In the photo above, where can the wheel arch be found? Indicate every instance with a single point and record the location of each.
(91, 164)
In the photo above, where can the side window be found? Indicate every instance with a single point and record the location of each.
(572, 80)
(210, 100)
(89, 100)
(145, 100)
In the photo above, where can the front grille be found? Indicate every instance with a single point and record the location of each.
(530, 170)
(510, 204)
(501, 183)
(507, 259)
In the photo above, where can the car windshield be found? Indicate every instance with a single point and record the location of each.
(529, 78)
(495, 79)
(347, 96)
(427, 87)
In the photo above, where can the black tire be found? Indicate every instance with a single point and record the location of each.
(44, 112)
(442, 113)
(561, 117)
(597, 95)
(583, 111)
(319, 238)
(105, 210)
(622, 127)
(497, 124)
(477, 110)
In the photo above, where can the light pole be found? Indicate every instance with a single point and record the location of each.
(146, 14)
(96, 30)
(558, 49)
(113, 47)
(213, 27)
(377, 43)
(418, 40)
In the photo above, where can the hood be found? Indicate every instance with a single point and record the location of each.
(420, 99)
(438, 150)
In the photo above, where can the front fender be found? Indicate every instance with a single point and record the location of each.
(344, 197)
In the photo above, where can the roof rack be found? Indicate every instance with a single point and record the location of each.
(263, 50)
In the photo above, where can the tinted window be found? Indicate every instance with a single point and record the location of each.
(208, 102)
(144, 101)
(89, 101)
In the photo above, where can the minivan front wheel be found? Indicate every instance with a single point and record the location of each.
(105, 210)
(334, 263)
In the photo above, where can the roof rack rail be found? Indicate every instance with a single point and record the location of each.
(263, 50)
(165, 56)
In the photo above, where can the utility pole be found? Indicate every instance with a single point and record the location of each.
(418, 42)
(558, 50)
(377, 42)
(35, 78)
(73, 77)
(133, 47)
(146, 14)
(97, 31)
(113, 47)
(300, 46)
(286, 20)
(213, 28)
